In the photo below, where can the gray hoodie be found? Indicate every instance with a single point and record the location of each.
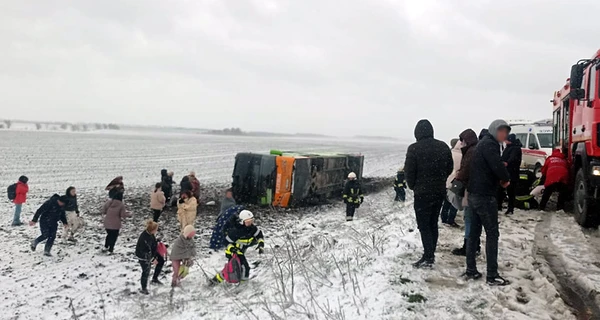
(183, 249)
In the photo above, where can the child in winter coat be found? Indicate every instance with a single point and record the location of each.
(114, 212)
(157, 201)
(21, 189)
(184, 250)
(187, 209)
(72, 212)
(147, 254)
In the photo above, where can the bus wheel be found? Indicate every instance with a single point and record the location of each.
(584, 209)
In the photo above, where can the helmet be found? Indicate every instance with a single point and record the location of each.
(245, 215)
(352, 175)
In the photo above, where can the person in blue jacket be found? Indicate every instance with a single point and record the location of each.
(48, 215)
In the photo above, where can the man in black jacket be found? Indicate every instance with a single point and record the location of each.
(488, 173)
(427, 167)
(511, 157)
(49, 214)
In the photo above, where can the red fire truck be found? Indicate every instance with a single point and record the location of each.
(576, 121)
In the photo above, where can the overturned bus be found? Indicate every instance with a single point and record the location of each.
(287, 178)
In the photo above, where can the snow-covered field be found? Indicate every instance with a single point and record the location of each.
(316, 266)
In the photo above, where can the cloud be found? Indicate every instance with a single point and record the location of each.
(367, 67)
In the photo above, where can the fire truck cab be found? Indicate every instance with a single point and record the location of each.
(576, 129)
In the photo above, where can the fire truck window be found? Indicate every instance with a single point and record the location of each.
(592, 85)
(556, 127)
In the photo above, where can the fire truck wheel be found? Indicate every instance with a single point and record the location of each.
(584, 208)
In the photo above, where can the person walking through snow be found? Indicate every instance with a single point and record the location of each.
(448, 212)
(157, 201)
(114, 212)
(48, 215)
(166, 181)
(468, 139)
(195, 186)
(400, 186)
(115, 187)
(488, 173)
(555, 174)
(182, 254)
(72, 212)
(187, 209)
(512, 157)
(428, 164)
(19, 197)
(353, 196)
(147, 254)
(239, 239)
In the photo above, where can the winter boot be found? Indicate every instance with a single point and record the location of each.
(144, 292)
(472, 275)
(349, 218)
(497, 281)
(33, 245)
(157, 282)
(424, 263)
(47, 254)
(510, 212)
(461, 251)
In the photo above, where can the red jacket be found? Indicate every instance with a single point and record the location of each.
(556, 169)
(22, 189)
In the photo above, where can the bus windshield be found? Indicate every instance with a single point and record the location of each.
(545, 140)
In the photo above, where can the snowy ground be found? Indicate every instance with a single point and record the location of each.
(316, 266)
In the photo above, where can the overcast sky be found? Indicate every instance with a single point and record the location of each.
(371, 67)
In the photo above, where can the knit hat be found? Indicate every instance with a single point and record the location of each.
(189, 229)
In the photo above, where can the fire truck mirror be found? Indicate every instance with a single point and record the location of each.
(576, 76)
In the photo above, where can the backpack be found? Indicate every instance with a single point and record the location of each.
(12, 192)
(233, 270)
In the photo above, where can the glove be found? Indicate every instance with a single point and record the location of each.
(361, 200)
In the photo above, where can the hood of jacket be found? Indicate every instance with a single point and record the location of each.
(469, 138)
(423, 130)
(23, 179)
(163, 172)
(557, 153)
(497, 125)
(484, 132)
(514, 142)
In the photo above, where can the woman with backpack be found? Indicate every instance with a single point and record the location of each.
(157, 201)
(17, 193)
(147, 253)
(187, 209)
(184, 250)
(114, 212)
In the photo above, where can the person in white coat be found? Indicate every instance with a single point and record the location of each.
(448, 212)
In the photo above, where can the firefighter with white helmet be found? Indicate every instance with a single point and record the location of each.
(241, 237)
(353, 196)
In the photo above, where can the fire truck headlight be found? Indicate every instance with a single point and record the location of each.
(596, 170)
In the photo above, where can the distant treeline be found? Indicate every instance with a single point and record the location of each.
(7, 124)
(240, 132)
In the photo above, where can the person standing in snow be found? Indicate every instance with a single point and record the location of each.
(114, 212)
(186, 185)
(488, 173)
(239, 239)
(115, 187)
(166, 181)
(555, 174)
(157, 201)
(353, 196)
(187, 209)
(448, 212)
(512, 157)
(183, 253)
(400, 186)
(147, 254)
(48, 215)
(72, 212)
(428, 164)
(21, 190)
(468, 139)
(227, 202)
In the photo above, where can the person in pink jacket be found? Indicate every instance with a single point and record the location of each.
(21, 189)
(114, 212)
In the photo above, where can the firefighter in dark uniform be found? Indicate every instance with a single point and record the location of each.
(240, 238)
(353, 196)
(400, 186)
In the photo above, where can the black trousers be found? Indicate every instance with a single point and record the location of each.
(350, 209)
(111, 239)
(485, 216)
(146, 266)
(510, 191)
(246, 266)
(427, 211)
(400, 194)
(562, 190)
(48, 233)
(156, 214)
